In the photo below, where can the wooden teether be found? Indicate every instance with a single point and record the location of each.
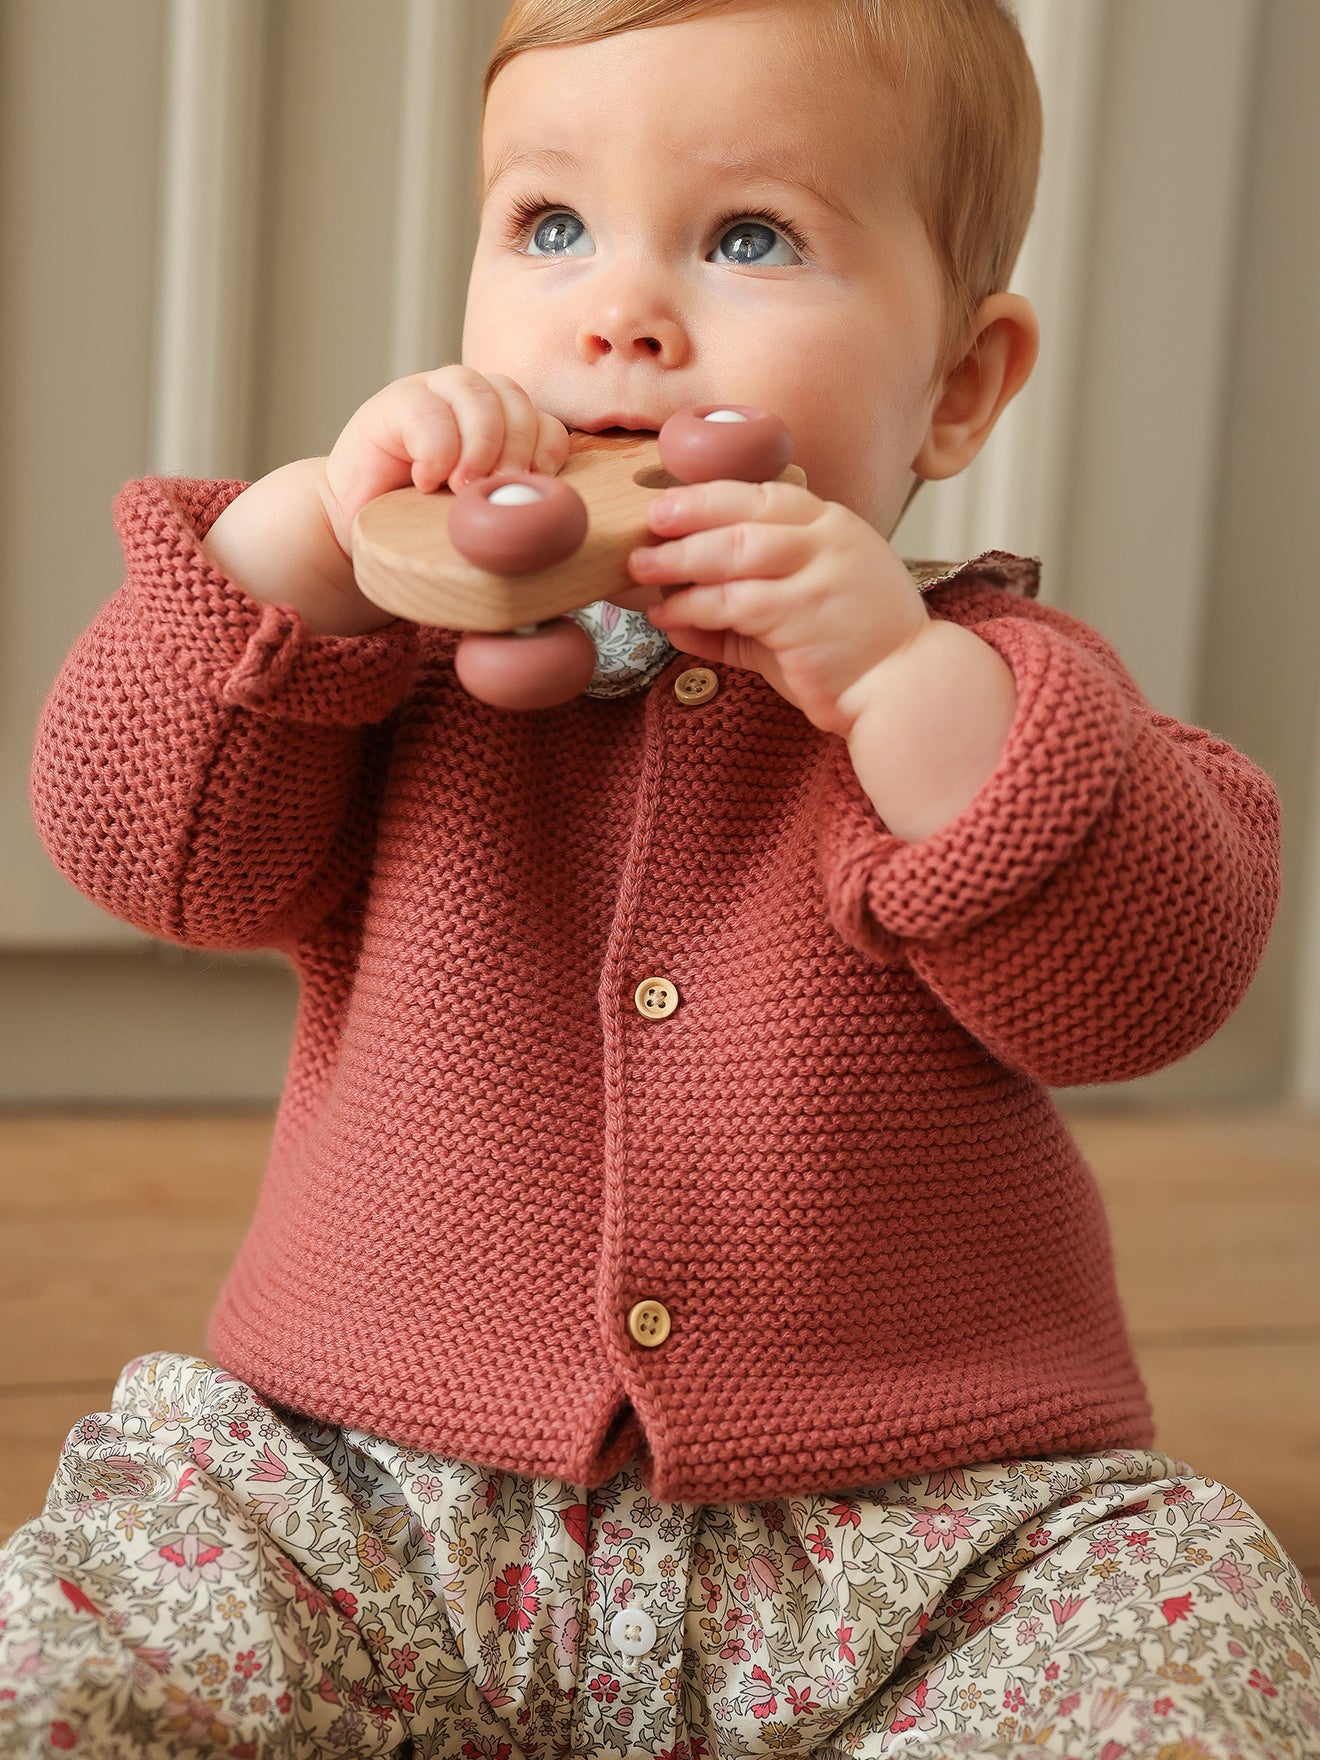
(407, 562)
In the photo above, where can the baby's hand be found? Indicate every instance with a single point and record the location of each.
(451, 426)
(288, 538)
(798, 589)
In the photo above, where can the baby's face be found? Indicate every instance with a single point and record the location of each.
(705, 213)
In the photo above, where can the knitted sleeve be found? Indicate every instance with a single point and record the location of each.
(204, 762)
(1101, 906)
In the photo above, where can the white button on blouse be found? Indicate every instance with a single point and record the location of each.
(632, 1631)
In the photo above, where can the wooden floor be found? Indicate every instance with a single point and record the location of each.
(117, 1230)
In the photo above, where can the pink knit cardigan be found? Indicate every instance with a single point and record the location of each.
(835, 1163)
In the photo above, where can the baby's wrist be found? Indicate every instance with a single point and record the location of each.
(931, 728)
(277, 543)
(878, 679)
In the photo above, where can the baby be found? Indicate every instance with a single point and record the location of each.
(676, 1320)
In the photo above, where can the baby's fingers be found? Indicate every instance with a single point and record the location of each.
(499, 427)
(474, 411)
(533, 440)
(697, 507)
(551, 445)
(724, 553)
(449, 426)
(402, 434)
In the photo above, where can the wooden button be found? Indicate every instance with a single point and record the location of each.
(697, 685)
(648, 1322)
(655, 998)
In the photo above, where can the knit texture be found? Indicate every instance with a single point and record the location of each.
(836, 1163)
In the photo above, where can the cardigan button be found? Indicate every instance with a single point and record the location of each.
(648, 1322)
(697, 685)
(655, 999)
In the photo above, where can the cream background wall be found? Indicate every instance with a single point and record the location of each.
(224, 222)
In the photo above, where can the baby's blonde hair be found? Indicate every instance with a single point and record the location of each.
(976, 156)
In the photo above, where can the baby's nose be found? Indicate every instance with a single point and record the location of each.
(634, 334)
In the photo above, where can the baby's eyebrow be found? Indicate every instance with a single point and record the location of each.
(545, 159)
(746, 168)
(741, 167)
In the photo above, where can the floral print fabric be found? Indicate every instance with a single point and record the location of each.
(216, 1576)
(630, 650)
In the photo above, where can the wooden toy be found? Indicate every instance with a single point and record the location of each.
(508, 555)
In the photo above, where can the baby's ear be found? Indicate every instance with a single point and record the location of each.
(977, 388)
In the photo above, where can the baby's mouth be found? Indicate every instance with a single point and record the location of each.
(630, 428)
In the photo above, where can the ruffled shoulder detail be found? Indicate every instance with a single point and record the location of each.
(1019, 575)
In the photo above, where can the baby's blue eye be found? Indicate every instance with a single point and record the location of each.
(752, 243)
(560, 235)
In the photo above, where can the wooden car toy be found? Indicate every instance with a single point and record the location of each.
(504, 558)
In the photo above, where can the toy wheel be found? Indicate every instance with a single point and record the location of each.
(725, 440)
(516, 523)
(539, 670)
